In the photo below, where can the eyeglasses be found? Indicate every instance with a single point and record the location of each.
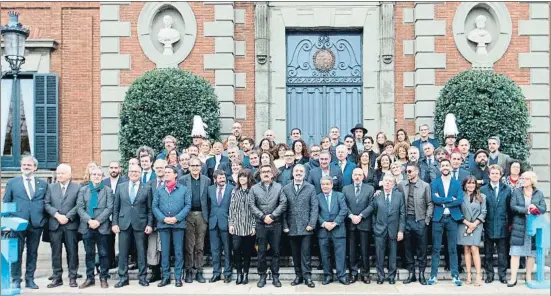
(194, 165)
(133, 172)
(289, 155)
(315, 151)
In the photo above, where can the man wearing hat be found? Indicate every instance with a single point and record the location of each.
(480, 169)
(450, 133)
(497, 157)
(359, 133)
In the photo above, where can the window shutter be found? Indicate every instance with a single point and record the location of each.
(46, 120)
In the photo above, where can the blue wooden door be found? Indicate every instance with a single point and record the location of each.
(324, 83)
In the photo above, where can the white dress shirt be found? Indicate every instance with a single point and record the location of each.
(114, 184)
(446, 182)
(25, 183)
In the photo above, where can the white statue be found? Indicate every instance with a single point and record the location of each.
(199, 127)
(480, 35)
(450, 127)
(168, 35)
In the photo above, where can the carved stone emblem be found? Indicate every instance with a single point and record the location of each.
(324, 60)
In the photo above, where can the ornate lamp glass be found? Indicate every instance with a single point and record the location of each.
(14, 35)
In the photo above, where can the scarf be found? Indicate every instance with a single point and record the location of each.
(170, 185)
(93, 202)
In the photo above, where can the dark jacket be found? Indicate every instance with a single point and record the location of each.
(422, 199)
(176, 204)
(302, 209)
(334, 171)
(218, 213)
(498, 211)
(312, 163)
(337, 214)
(64, 205)
(205, 183)
(101, 213)
(419, 144)
(388, 222)
(370, 179)
(122, 179)
(210, 163)
(137, 214)
(272, 203)
(29, 209)
(358, 205)
(285, 175)
(480, 174)
(519, 214)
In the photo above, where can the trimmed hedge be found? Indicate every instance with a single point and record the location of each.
(485, 104)
(163, 102)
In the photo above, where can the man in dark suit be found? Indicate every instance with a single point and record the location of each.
(447, 197)
(332, 212)
(61, 205)
(468, 157)
(132, 217)
(146, 162)
(286, 171)
(480, 169)
(358, 197)
(419, 209)
(388, 226)
(219, 196)
(326, 169)
(94, 206)
(458, 173)
(196, 221)
(153, 239)
(213, 163)
(498, 196)
(344, 164)
(424, 138)
(429, 164)
(299, 222)
(28, 194)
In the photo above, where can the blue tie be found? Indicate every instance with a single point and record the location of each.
(133, 193)
(387, 201)
(328, 203)
(144, 177)
(31, 190)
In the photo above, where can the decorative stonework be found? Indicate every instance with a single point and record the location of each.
(482, 32)
(167, 32)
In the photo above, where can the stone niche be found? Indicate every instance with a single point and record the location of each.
(183, 23)
(484, 45)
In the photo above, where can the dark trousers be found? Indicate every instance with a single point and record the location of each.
(381, 243)
(29, 239)
(242, 250)
(174, 237)
(126, 237)
(92, 239)
(415, 243)
(339, 246)
(501, 256)
(438, 227)
(364, 250)
(302, 259)
(196, 229)
(268, 234)
(59, 237)
(220, 240)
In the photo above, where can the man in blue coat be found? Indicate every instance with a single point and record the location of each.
(332, 212)
(326, 169)
(447, 197)
(424, 138)
(219, 196)
(345, 165)
(28, 193)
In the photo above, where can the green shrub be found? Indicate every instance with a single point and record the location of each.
(485, 104)
(163, 102)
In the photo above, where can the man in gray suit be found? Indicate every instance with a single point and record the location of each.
(153, 239)
(268, 205)
(389, 225)
(419, 208)
(196, 221)
(132, 217)
(94, 206)
(358, 197)
(61, 205)
(299, 222)
(496, 156)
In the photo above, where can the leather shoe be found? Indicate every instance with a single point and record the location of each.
(51, 278)
(104, 284)
(245, 279)
(227, 279)
(310, 283)
(392, 281)
(73, 283)
(31, 285)
(422, 279)
(87, 283)
(503, 281)
(344, 281)
(178, 284)
(489, 280)
(163, 283)
(297, 281)
(239, 279)
(79, 276)
(55, 283)
(199, 277)
(261, 281)
(155, 274)
(16, 284)
(380, 281)
(143, 283)
(276, 282)
(188, 277)
(215, 278)
(327, 280)
(411, 278)
(366, 279)
(121, 284)
(353, 278)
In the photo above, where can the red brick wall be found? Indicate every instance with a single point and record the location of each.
(75, 26)
(403, 63)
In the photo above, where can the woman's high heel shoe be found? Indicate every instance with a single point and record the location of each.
(512, 285)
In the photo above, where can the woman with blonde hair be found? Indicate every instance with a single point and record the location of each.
(89, 168)
(469, 235)
(205, 151)
(172, 157)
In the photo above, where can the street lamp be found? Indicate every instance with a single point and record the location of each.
(14, 35)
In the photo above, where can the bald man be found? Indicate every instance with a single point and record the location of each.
(61, 205)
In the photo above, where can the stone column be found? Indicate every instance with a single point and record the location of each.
(262, 70)
(386, 61)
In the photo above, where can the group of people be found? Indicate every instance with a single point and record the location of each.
(337, 197)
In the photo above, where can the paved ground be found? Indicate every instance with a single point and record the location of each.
(442, 288)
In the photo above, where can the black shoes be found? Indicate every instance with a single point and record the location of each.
(411, 278)
(239, 279)
(245, 278)
(380, 281)
(310, 283)
(366, 279)
(227, 279)
(55, 283)
(276, 281)
(31, 284)
(392, 281)
(87, 283)
(489, 280)
(503, 281)
(178, 284)
(188, 277)
(155, 274)
(353, 278)
(121, 284)
(143, 283)
(422, 279)
(327, 280)
(512, 285)
(199, 277)
(344, 281)
(215, 278)
(261, 281)
(297, 281)
(163, 283)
